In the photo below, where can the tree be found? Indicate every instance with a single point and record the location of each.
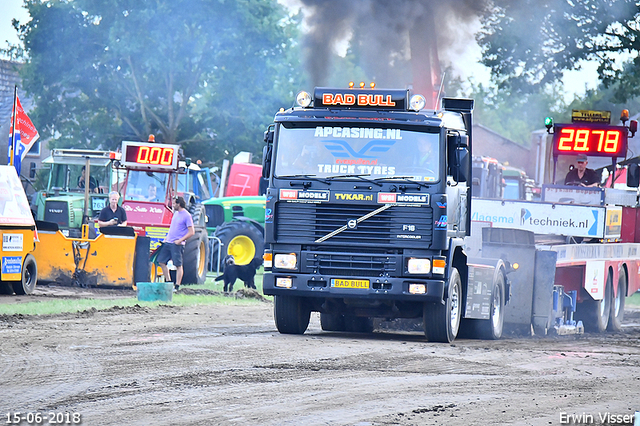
(528, 44)
(207, 74)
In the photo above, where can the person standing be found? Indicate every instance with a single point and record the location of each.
(581, 175)
(112, 214)
(180, 230)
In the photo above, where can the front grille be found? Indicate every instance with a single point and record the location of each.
(345, 264)
(57, 212)
(398, 226)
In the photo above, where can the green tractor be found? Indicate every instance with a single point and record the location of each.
(67, 201)
(237, 227)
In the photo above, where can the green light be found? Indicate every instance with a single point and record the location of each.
(548, 122)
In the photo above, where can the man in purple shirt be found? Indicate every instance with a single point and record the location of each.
(181, 230)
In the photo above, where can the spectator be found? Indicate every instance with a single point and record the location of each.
(112, 214)
(180, 230)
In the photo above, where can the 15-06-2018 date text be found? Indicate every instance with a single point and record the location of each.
(43, 418)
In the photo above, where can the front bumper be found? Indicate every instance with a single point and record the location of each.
(313, 285)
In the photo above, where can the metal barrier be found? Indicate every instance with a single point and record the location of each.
(217, 271)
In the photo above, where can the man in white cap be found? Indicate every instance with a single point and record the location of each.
(580, 175)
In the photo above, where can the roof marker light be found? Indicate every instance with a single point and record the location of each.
(362, 84)
(351, 84)
(372, 84)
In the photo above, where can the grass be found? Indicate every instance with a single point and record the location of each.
(633, 301)
(58, 306)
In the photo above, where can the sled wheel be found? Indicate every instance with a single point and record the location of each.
(29, 276)
(291, 314)
(442, 320)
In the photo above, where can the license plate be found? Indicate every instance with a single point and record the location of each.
(338, 283)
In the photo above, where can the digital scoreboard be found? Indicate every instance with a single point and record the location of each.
(592, 139)
(150, 156)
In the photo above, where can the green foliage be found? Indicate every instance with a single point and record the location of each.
(530, 43)
(515, 116)
(205, 74)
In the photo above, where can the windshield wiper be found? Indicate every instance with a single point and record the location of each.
(312, 177)
(361, 177)
(405, 178)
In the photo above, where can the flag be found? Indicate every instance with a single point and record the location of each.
(22, 135)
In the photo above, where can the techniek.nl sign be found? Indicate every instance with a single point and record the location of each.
(541, 218)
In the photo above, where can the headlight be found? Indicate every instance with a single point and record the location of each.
(284, 261)
(419, 266)
(417, 102)
(303, 99)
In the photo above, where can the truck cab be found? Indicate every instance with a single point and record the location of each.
(367, 210)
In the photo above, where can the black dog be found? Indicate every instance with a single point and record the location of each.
(232, 272)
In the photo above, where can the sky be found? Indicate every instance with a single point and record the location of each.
(575, 81)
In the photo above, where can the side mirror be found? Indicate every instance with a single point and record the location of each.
(266, 160)
(458, 157)
(633, 175)
(462, 167)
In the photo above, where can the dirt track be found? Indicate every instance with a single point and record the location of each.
(227, 365)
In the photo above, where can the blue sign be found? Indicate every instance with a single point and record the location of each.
(12, 265)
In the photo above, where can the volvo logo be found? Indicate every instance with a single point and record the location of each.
(352, 224)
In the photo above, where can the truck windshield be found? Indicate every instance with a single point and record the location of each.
(374, 151)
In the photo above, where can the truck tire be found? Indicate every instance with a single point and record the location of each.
(442, 320)
(491, 329)
(241, 239)
(291, 314)
(595, 313)
(196, 255)
(617, 306)
(332, 322)
(29, 276)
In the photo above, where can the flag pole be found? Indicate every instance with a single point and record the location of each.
(13, 125)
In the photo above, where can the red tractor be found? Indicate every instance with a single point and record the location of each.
(148, 177)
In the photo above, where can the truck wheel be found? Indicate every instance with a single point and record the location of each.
(240, 239)
(332, 322)
(196, 255)
(442, 320)
(291, 314)
(617, 307)
(491, 329)
(29, 276)
(595, 313)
